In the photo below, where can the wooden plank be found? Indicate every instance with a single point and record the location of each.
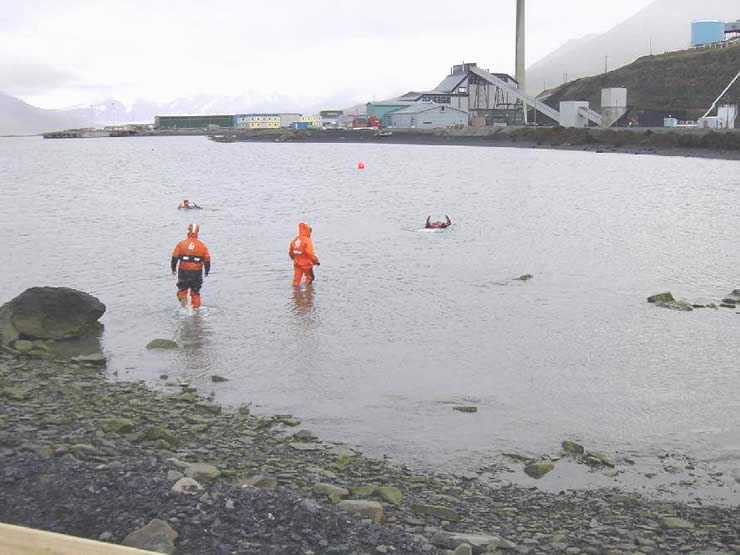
(18, 540)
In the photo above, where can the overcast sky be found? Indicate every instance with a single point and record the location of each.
(58, 53)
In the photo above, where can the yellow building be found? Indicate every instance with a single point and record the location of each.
(257, 121)
(312, 121)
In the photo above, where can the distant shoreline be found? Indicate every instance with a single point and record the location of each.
(692, 143)
(695, 143)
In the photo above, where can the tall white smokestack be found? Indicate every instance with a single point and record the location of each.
(520, 76)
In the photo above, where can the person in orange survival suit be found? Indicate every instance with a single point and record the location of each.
(303, 256)
(193, 257)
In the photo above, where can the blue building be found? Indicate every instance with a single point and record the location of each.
(706, 32)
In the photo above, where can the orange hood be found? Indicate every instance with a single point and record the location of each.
(304, 230)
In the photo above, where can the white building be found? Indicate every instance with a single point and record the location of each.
(427, 115)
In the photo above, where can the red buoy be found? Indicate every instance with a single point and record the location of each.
(360, 165)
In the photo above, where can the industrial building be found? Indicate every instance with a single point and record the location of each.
(240, 121)
(257, 121)
(330, 118)
(488, 98)
(382, 110)
(427, 115)
(732, 29)
(712, 31)
(193, 122)
(310, 121)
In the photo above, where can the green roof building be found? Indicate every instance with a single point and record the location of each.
(192, 122)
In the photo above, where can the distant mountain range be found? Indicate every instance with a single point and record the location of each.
(662, 26)
(20, 118)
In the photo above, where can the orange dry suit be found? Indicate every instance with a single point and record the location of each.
(193, 257)
(302, 254)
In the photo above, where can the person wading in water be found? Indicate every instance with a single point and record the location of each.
(302, 254)
(193, 257)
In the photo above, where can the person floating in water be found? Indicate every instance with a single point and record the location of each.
(303, 256)
(438, 225)
(193, 257)
(187, 205)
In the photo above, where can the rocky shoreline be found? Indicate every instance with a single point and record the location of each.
(119, 462)
(693, 143)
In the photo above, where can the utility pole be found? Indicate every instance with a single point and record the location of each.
(606, 65)
(520, 50)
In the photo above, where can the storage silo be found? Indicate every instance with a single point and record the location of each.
(705, 32)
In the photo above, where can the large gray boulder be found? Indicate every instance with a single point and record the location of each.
(49, 313)
(156, 536)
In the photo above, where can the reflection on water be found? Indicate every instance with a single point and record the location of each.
(402, 319)
(303, 304)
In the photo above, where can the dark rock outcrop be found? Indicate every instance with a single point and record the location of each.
(56, 323)
(49, 313)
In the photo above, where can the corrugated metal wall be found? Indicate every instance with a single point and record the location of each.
(430, 119)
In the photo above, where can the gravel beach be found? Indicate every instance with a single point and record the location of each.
(121, 463)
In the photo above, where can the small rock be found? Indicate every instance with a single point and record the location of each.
(520, 457)
(672, 522)
(443, 513)
(342, 451)
(160, 432)
(202, 470)
(92, 358)
(187, 485)
(211, 408)
(732, 298)
(463, 549)
(362, 491)
(335, 493)
(480, 543)
(286, 420)
(229, 505)
(364, 509)
(161, 344)
(677, 305)
(389, 494)
(305, 435)
(666, 297)
(537, 470)
(155, 536)
(465, 409)
(218, 379)
(299, 446)
(118, 425)
(524, 277)
(572, 448)
(22, 346)
(174, 475)
(603, 459)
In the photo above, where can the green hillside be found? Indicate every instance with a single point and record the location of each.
(684, 82)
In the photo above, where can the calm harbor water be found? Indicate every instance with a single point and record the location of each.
(402, 323)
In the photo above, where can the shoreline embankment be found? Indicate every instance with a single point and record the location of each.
(698, 143)
(687, 142)
(116, 461)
